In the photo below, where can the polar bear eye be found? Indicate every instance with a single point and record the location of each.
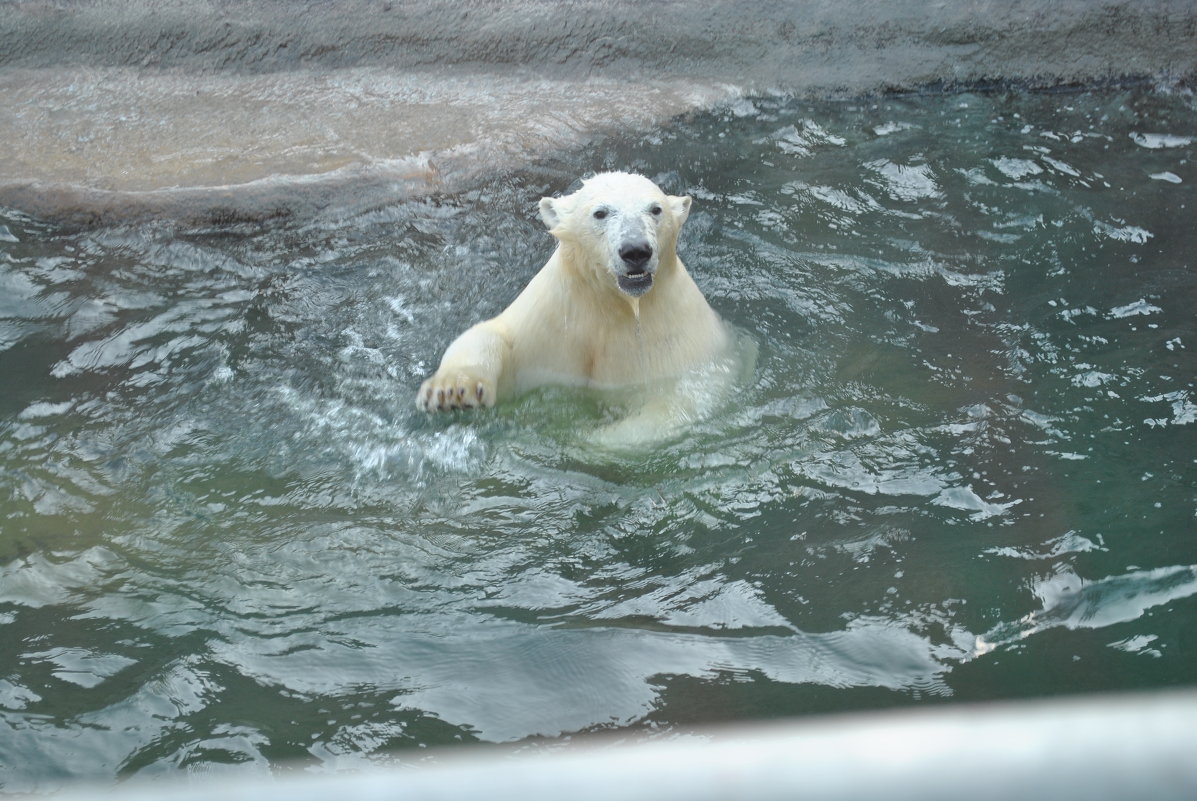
(655, 211)
(600, 214)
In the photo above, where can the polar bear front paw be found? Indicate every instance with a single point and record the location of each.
(446, 393)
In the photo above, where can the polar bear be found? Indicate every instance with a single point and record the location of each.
(613, 307)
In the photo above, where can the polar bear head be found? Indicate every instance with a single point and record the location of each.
(621, 225)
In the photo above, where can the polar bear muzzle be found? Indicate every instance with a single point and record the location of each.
(637, 277)
(635, 284)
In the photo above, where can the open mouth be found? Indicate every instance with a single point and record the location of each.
(635, 283)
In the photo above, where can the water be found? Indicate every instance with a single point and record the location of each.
(962, 468)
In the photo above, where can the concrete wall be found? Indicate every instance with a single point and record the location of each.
(243, 110)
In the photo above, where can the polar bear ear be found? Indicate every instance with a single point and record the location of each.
(550, 212)
(680, 206)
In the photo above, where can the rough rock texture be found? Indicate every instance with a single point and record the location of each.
(803, 44)
(246, 110)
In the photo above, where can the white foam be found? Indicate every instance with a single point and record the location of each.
(907, 182)
(1184, 410)
(1138, 308)
(1016, 169)
(1158, 141)
(964, 499)
(1126, 233)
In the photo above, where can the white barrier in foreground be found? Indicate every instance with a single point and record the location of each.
(1139, 746)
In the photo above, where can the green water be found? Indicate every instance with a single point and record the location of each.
(963, 467)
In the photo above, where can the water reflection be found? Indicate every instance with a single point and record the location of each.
(962, 465)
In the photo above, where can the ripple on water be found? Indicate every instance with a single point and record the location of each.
(962, 455)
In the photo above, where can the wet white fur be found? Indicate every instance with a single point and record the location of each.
(573, 324)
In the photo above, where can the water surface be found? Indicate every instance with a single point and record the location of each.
(962, 469)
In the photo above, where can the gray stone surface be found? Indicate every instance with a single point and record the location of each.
(244, 110)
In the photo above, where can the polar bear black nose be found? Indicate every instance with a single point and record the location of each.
(636, 255)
